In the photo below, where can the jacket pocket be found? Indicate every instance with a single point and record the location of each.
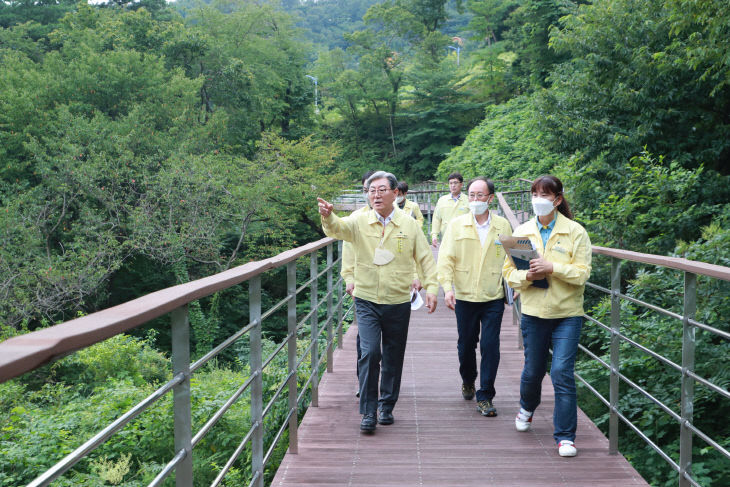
(462, 278)
(366, 277)
(491, 282)
(395, 280)
(560, 255)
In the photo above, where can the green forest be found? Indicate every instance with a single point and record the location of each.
(146, 144)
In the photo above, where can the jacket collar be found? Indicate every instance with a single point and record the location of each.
(562, 225)
(397, 219)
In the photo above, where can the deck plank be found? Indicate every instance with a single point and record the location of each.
(438, 438)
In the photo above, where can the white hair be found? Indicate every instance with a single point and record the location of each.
(380, 175)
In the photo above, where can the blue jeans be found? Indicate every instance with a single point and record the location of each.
(473, 320)
(562, 335)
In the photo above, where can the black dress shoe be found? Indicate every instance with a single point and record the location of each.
(467, 391)
(385, 417)
(368, 423)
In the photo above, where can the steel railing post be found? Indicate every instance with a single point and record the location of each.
(688, 384)
(430, 213)
(339, 299)
(181, 395)
(523, 205)
(291, 289)
(330, 312)
(613, 381)
(516, 318)
(314, 320)
(257, 386)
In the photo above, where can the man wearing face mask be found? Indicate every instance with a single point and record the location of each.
(470, 271)
(387, 244)
(410, 207)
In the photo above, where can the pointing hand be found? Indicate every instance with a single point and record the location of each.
(325, 208)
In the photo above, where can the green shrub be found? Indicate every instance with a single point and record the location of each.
(664, 287)
(119, 357)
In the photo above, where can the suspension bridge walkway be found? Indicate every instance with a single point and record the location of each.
(438, 438)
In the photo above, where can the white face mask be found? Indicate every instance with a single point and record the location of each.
(542, 206)
(400, 199)
(478, 207)
(382, 256)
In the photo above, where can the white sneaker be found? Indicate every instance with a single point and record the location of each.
(566, 448)
(523, 420)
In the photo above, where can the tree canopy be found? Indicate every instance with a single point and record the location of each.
(145, 144)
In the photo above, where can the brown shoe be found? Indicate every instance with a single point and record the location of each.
(486, 408)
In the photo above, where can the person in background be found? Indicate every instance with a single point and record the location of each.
(410, 207)
(469, 266)
(347, 268)
(448, 207)
(552, 317)
(387, 243)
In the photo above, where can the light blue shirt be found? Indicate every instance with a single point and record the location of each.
(545, 230)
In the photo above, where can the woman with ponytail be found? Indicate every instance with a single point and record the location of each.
(552, 317)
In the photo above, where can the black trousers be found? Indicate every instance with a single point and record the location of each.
(479, 323)
(383, 330)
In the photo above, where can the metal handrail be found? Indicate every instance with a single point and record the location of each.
(691, 270)
(23, 353)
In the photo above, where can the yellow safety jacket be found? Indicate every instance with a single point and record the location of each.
(446, 210)
(569, 249)
(411, 208)
(385, 284)
(474, 270)
(347, 270)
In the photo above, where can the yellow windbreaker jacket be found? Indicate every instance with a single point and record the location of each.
(569, 249)
(446, 210)
(411, 208)
(475, 271)
(385, 284)
(347, 270)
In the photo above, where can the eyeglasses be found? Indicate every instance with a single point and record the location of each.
(379, 191)
(477, 196)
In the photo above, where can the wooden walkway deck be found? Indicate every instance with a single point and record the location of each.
(438, 438)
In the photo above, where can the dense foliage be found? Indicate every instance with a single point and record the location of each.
(92, 388)
(145, 144)
(137, 137)
(395, 93)
(140, 149)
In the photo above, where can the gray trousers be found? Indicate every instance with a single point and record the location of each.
(383, 330)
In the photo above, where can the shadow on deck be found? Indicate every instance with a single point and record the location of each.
(438, 438)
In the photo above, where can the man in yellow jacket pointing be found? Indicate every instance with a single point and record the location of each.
(470, 271)
(387, 245)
